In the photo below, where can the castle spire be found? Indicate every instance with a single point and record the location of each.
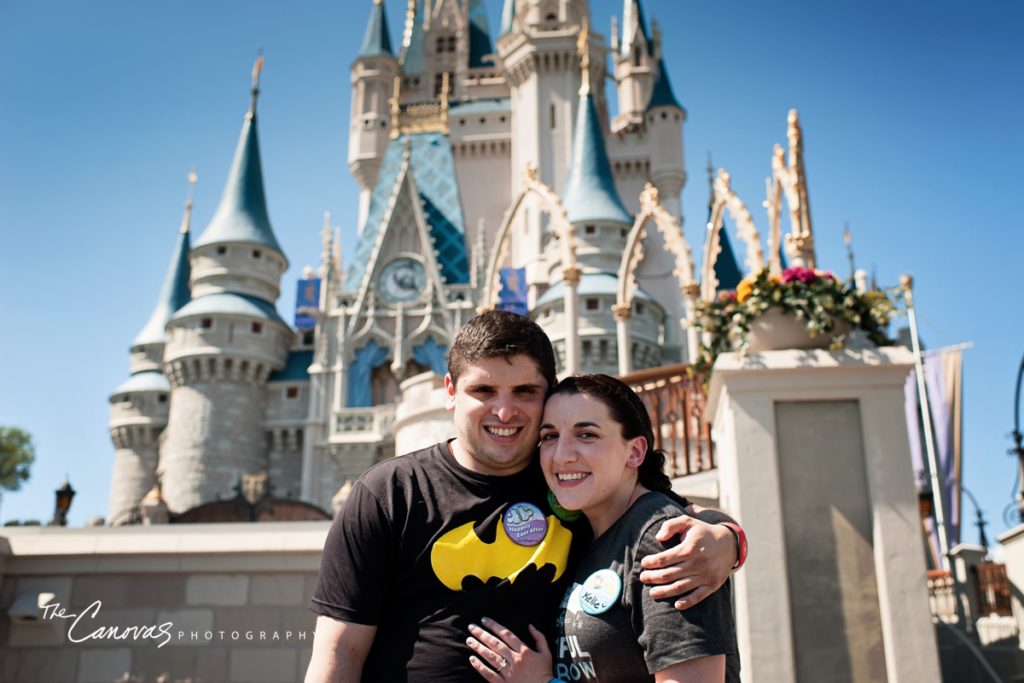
(242, 213)
(480, 45)
(662, 94)
(633, 26)
(412, 39)
(175, 292)
(590, 193)
(508, 17)
(377, 40)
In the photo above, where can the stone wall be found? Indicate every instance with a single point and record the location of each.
(208, 603)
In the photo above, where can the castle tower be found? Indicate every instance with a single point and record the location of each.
(139, 407)
(373, 74)
(634, 66)
(665, 118)
(224, 344)
(601, 223)
(538, 51)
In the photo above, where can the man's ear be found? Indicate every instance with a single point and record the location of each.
(449, 390)
(637, 452)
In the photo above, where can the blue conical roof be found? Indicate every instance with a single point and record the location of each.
(590, 193)
(727, 269)
(479, 34)
(508, 15)
(242, 213)
(174, 294)
(377, 40)
(662, 94)
(413, 48)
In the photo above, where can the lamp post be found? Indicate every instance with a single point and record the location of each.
(60, 511)
(979, 520)
(1018, 449)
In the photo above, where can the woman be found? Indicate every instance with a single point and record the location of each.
(595, 448)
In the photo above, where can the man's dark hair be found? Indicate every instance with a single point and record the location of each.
(626, 408)
(500, 334)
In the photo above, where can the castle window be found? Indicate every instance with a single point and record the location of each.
(451, 43)
(162, 398)
(503, 119)
(257, 328)
(554, 113)
(307, 338)
(664, 115)
(636, 56)
(593, 304)
(206, 323)
(623, 232)
(589, 229)
(256, 253)
(639, 309)
(222, 250)
(291, 392)
(439, 81)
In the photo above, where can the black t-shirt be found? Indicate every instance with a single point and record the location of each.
(636, 636)
(421, 549)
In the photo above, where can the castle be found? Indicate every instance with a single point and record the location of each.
(491, 172)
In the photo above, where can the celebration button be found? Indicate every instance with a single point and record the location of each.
(600, 591)
(525, 524)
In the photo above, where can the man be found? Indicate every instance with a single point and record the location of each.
(435, 540)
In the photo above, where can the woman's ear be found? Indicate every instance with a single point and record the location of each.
(637, 452)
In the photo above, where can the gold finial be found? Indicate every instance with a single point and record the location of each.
(445, 84)
(396, 106)
(257, 67)
(583, 48)
(378, 2)
(186, 220)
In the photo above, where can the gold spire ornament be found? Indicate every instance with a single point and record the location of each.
(583, 49)
(186, 219)
(257, 67)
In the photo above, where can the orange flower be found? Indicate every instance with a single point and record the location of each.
(744, 289)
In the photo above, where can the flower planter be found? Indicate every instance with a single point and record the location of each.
(776, 329)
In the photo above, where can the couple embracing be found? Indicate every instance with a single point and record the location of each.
(476, 558)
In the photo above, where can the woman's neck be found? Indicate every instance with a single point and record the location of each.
(604, 516)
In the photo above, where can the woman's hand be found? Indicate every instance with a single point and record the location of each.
(502, 656)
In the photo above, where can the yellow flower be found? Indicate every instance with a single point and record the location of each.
(744, 289)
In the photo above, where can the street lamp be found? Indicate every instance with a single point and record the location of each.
(979, 519)
(60, 511)
(1018, 449)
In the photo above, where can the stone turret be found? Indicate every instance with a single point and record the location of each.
(226, 342)
(601, 224)
(139, 407)
(540, 57)
(373, 74)
(665, 118)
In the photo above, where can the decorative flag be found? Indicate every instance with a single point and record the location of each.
(512, 296)
(943, 375)
(307, 303)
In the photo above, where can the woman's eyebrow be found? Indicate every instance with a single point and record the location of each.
(586, 424)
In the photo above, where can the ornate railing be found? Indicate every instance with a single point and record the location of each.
(675, 399)
(362, 425)
(941, 596)
(993, 590)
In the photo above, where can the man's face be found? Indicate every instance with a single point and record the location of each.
(498, 405)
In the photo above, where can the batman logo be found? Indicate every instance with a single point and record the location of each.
(460, 554)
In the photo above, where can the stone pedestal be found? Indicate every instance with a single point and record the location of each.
(814, 461)
(1013, 544)
(421, 418)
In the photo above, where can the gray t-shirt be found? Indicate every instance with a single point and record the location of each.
(636, 636)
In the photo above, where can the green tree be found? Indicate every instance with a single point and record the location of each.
(16, 456)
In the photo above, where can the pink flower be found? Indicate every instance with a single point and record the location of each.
(799, 273)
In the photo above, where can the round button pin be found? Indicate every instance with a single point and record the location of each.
(525, 524)
(600, 591)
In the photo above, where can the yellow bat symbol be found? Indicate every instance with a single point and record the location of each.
(461, 553)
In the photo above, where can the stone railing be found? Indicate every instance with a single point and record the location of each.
(675, 400)
(362, 425)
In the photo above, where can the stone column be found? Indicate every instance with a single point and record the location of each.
(814, 461)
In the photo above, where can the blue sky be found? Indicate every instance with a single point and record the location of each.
(911, 115)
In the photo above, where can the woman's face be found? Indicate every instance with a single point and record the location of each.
(587, 463)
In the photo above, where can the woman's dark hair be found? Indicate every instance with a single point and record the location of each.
(629, 411)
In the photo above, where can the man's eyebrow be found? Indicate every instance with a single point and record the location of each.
(529, 387)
